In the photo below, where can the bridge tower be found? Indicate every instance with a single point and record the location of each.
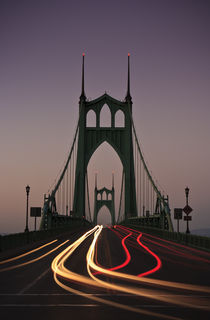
(90, 138)
(104, 197)
(66, 204)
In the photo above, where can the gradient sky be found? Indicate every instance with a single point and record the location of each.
(40, 83)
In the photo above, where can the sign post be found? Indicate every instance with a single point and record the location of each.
(177, 216)
(187, 209)
(35, 212)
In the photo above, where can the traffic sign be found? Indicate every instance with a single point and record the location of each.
(187, 218)
(187, 209)
(35, 212)
(178, 213)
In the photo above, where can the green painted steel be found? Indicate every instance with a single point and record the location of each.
(99, 202)
(122, 139)
(90, 138)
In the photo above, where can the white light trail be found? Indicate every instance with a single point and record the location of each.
(33, 260)
(60, 270)
(27, 253)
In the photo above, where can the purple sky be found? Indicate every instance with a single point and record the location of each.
(40, 82)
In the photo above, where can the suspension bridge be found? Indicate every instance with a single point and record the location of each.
(140, 197)
(73, 266)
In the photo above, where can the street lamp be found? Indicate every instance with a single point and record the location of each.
(27, 195)
(187, 194)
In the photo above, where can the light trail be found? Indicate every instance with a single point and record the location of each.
(33, 260)
(174, 244)
(143, 274)
(58, 267)
(60, 270)
(159, 263)
(128, 256)
(111, 303)
(151, 281)
(136, 291)
(27, 253)
(127, 253)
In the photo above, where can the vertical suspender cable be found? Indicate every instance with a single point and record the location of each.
(73, 178)
(59, 182)
(143, 192)
(147, 193)
(63, 194)
(151, 199)
(121, 195)
(58, 209)
(140, 189)
(137, 174)
(70, 206)
(88, 198)
(67, 191)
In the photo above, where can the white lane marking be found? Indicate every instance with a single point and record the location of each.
(95, 294)
(34, 282)
(48, 305)
(35, 305)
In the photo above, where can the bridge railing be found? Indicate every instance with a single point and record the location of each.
(199, 242)
(17, 240)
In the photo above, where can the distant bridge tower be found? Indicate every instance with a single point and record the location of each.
(90, 138)
(104, 197)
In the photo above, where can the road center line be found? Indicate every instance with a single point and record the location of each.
(34, 282)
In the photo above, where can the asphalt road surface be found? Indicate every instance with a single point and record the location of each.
(105, 273)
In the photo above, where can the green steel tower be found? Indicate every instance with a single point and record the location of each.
(90, 138)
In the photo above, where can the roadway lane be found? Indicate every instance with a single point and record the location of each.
(30, 290)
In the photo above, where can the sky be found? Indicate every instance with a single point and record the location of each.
(42, 42)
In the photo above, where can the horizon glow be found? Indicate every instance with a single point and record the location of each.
(41, 83)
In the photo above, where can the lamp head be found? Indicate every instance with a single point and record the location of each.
(27, 189)
(187, 191)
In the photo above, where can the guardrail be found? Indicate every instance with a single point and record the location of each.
(12, 241)
(192, 240)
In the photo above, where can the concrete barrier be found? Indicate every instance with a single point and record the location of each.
(12, 241)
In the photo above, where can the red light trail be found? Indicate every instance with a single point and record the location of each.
(130, 281)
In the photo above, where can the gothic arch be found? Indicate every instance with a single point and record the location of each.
(105, 116)
(104, 196)
(108, 210)
(91, 118)
(96, 146)
(119, 119)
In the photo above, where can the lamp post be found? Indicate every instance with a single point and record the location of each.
(27, 195)
(187, 194)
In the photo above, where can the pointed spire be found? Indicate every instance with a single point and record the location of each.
(128, 96)
(83, 77)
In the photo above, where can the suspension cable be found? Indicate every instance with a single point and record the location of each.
(67, 162)
(143, 161)
(121, 194)
(88, 198)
